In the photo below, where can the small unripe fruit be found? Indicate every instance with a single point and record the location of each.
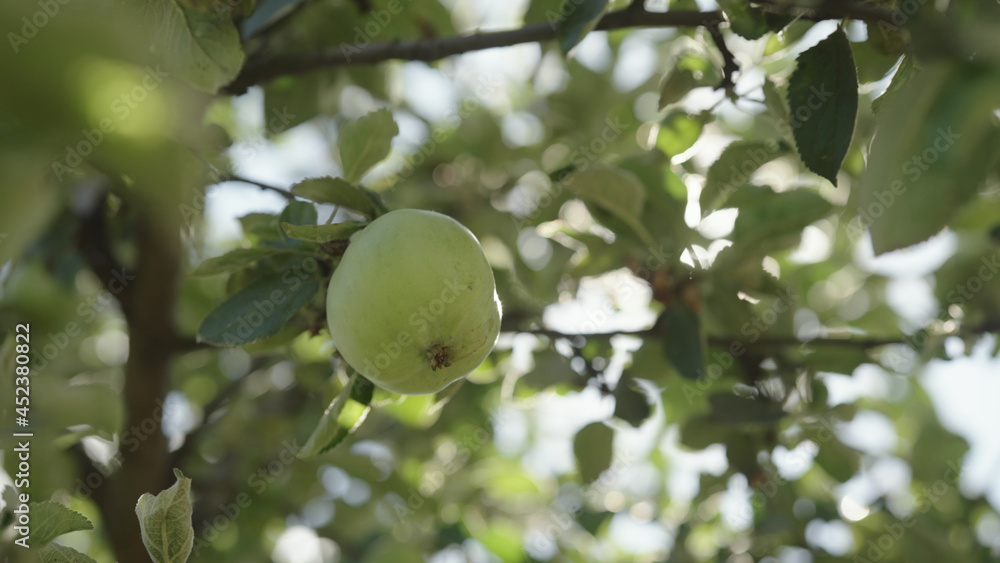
(412, 305)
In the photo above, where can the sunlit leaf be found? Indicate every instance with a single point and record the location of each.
(165, 521)
(364, 142)
(50, 520)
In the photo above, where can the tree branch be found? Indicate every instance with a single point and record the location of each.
(265, 69)
(226, 177)
(829, 10)
(729, 66)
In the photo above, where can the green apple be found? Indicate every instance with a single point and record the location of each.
(412, 305)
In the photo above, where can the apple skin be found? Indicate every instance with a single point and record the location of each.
(412, 305)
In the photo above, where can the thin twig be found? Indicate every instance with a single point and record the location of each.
(226, 177)
(729, 66)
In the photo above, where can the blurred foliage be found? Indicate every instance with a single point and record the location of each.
(594, 194)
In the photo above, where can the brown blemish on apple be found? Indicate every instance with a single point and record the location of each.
(439, 356)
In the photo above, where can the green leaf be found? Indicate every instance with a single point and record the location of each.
(678, 131)
(362, 390)
(733, 169)
(592, 447)
(55, 553)
(165, 522)
(676, 84)
(775, 102)
(736, 410)
(323, 233)
(771, 221)
(578, 18)
(198, 46)
(683, 339)
(690, 70)
(340, 419)
(631, 403)
(744, 20)
(700, 432)
(617, 191)
(299, 213)
(935, 143)
(232, 261)
(50, 520)
(838, 460)
(823, 97)
(899, 79)
(364, 142)
(336, 191)
(257, 311)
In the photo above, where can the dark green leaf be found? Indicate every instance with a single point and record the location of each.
(733, 169)
(323, 233)
(259, 310)
(700, 432)
(736, 410)
(683, 339)
(577, 18)
(631, 403)
(336, 191)
(165, 521)
(299, 213)
(823, 97)
(362, 390)
(592, 447)
(364, 142)
(232, 261)
(50, 520)
(935, 144)
(839, 461)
